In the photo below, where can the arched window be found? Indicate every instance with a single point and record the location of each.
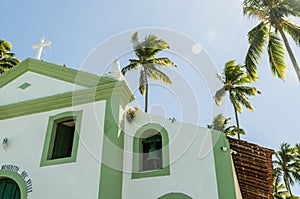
(9, 189)
(151, 152)
(12, 185)
(175, 195)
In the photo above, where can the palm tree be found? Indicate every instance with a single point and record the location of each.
(146, 59)
(233, 80)
(287, 165)
(7, 59)
(273, 15)
(279, 190)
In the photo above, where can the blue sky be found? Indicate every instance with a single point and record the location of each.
(75, 28)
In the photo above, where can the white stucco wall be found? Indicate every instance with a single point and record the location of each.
(191, 162)
(236, 183)
(41, 86)
(72, 180)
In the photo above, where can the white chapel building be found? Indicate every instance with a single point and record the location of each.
(66, 134)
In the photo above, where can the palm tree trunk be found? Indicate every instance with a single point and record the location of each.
(287, 185)
(290, 52)
(146, 94)
(236, 117)
(237, 122)
(146, 98)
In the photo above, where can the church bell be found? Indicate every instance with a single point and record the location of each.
(153, 154)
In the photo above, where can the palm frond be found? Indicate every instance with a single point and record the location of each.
(7, 62)
(260, 28)
(248, 90)
(292, 29)
(134, 38)
(163, 61)
(276, 56)
(290, 8)
(233, 131)
(132, 66)
(219, 96)
(235, 102)
(257, 38)
(244, 100)
(232, 72)
(252, 7)
(158, 75)
(143, 82)
(150, 46)
(5, 46)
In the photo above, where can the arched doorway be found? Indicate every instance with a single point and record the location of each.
(9, 189)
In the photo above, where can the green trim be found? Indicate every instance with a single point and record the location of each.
(111, 178)
(24, 86)
(68, 99)
(98, 88)
(55, 71)
(50, 136)
(223, 166)
(18, 179)
(175, 196)
(137, 161)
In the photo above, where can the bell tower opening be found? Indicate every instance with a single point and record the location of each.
(152, 152)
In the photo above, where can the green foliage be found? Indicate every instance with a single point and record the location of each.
(279, 189)
(234, 78)
(220, 123)
(287, 168)
(234, 131)
(276, 56)
(257, 40)
(7, 59)
(145, 52)
(273, 15)
(292, 29)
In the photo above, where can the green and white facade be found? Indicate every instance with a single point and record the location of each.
(99, 153)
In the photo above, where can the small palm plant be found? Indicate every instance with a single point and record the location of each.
(220, 123)
(146, 51)
(234, 79)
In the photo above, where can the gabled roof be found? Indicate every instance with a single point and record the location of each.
(253, 166)
(89, 88)
(59, 72)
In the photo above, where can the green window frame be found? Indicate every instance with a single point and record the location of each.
(7, 174)
(148, 131)
(62, 138)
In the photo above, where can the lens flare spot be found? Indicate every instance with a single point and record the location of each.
(196, 49)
